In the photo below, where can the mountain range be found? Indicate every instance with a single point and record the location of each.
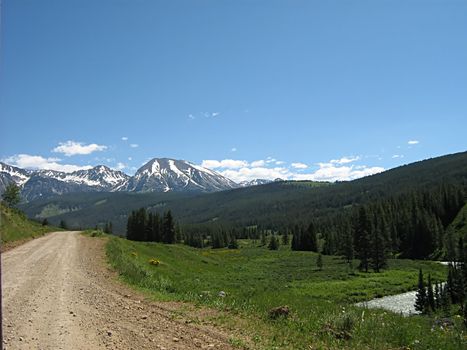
(157, 175)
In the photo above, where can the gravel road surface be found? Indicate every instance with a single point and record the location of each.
(58, 293)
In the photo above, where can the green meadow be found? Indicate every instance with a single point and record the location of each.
(255, 280)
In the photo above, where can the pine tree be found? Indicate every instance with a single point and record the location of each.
(421, 297)
(156, 235)
(11, 196)
(319, 261)
(45, 222)
(430, 295)
(63, 225)
(362, 239)
(378, 251)
(285, 238)
(437, 296)
(310, 241)
(273, 243)
(168, 228)
(348, 246)
(445, 301)
(233, 244)
(263, 238)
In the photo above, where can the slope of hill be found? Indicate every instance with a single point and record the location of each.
(276, 204)
(15, 226)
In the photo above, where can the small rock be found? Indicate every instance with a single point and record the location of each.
(222, 294)
(144, 317)
(175, 339)
(21, 338)
(109, 333)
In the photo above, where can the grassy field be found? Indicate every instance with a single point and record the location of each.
(14, 226)
(255, 280)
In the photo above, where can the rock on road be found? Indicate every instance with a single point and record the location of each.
(59, 294)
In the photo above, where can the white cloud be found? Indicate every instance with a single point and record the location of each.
(121, 166)
(299, 165)
(397, 156)
(345, 160)
(215, 114)
(71, 148)
(279, 162)
(124, 138)
(225, 163)
(340, 173)
(258, 163)
(413, 142)
(134, 145)
(248, 174)
(191, 116)
(130, 158)
(234, 149)
(27, 161)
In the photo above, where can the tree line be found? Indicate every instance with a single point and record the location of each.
(143, 225)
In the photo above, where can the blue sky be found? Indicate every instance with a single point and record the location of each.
(323, 90)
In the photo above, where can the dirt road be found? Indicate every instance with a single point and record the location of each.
(59, 294)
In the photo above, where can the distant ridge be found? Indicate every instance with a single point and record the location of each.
(158, 175)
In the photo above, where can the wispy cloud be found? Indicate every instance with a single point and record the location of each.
(71, 148)
(333, 170)
(225, 163)
(413, 142)
(299, 165)
(394, 156)
(207, 115)
(258, 163)
(345, 160)
(134, 145)
(120, 166)
(27, 161)
(234, 149)
(124, 138)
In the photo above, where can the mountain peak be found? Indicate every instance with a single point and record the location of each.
(167, 174)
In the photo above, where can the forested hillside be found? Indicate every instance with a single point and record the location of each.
(276, 205)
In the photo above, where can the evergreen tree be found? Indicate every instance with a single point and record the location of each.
(437, 296)
(263, 238)
(63, 225)
(348, 246)
(362, 239)
(421, 297)
(310, 242)
(156, 235)
(233, 244)
(430, 295)
(45, 222)
(285, 238)
(378, 251)
(273, 243)
(11, 196)
(319, 261)
(445, 301)
(168, 228)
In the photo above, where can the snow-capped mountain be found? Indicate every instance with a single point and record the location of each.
(158, 175)
(9, 174)
(100, 176)
(45, 183)
(254, 182)
(164, 174)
